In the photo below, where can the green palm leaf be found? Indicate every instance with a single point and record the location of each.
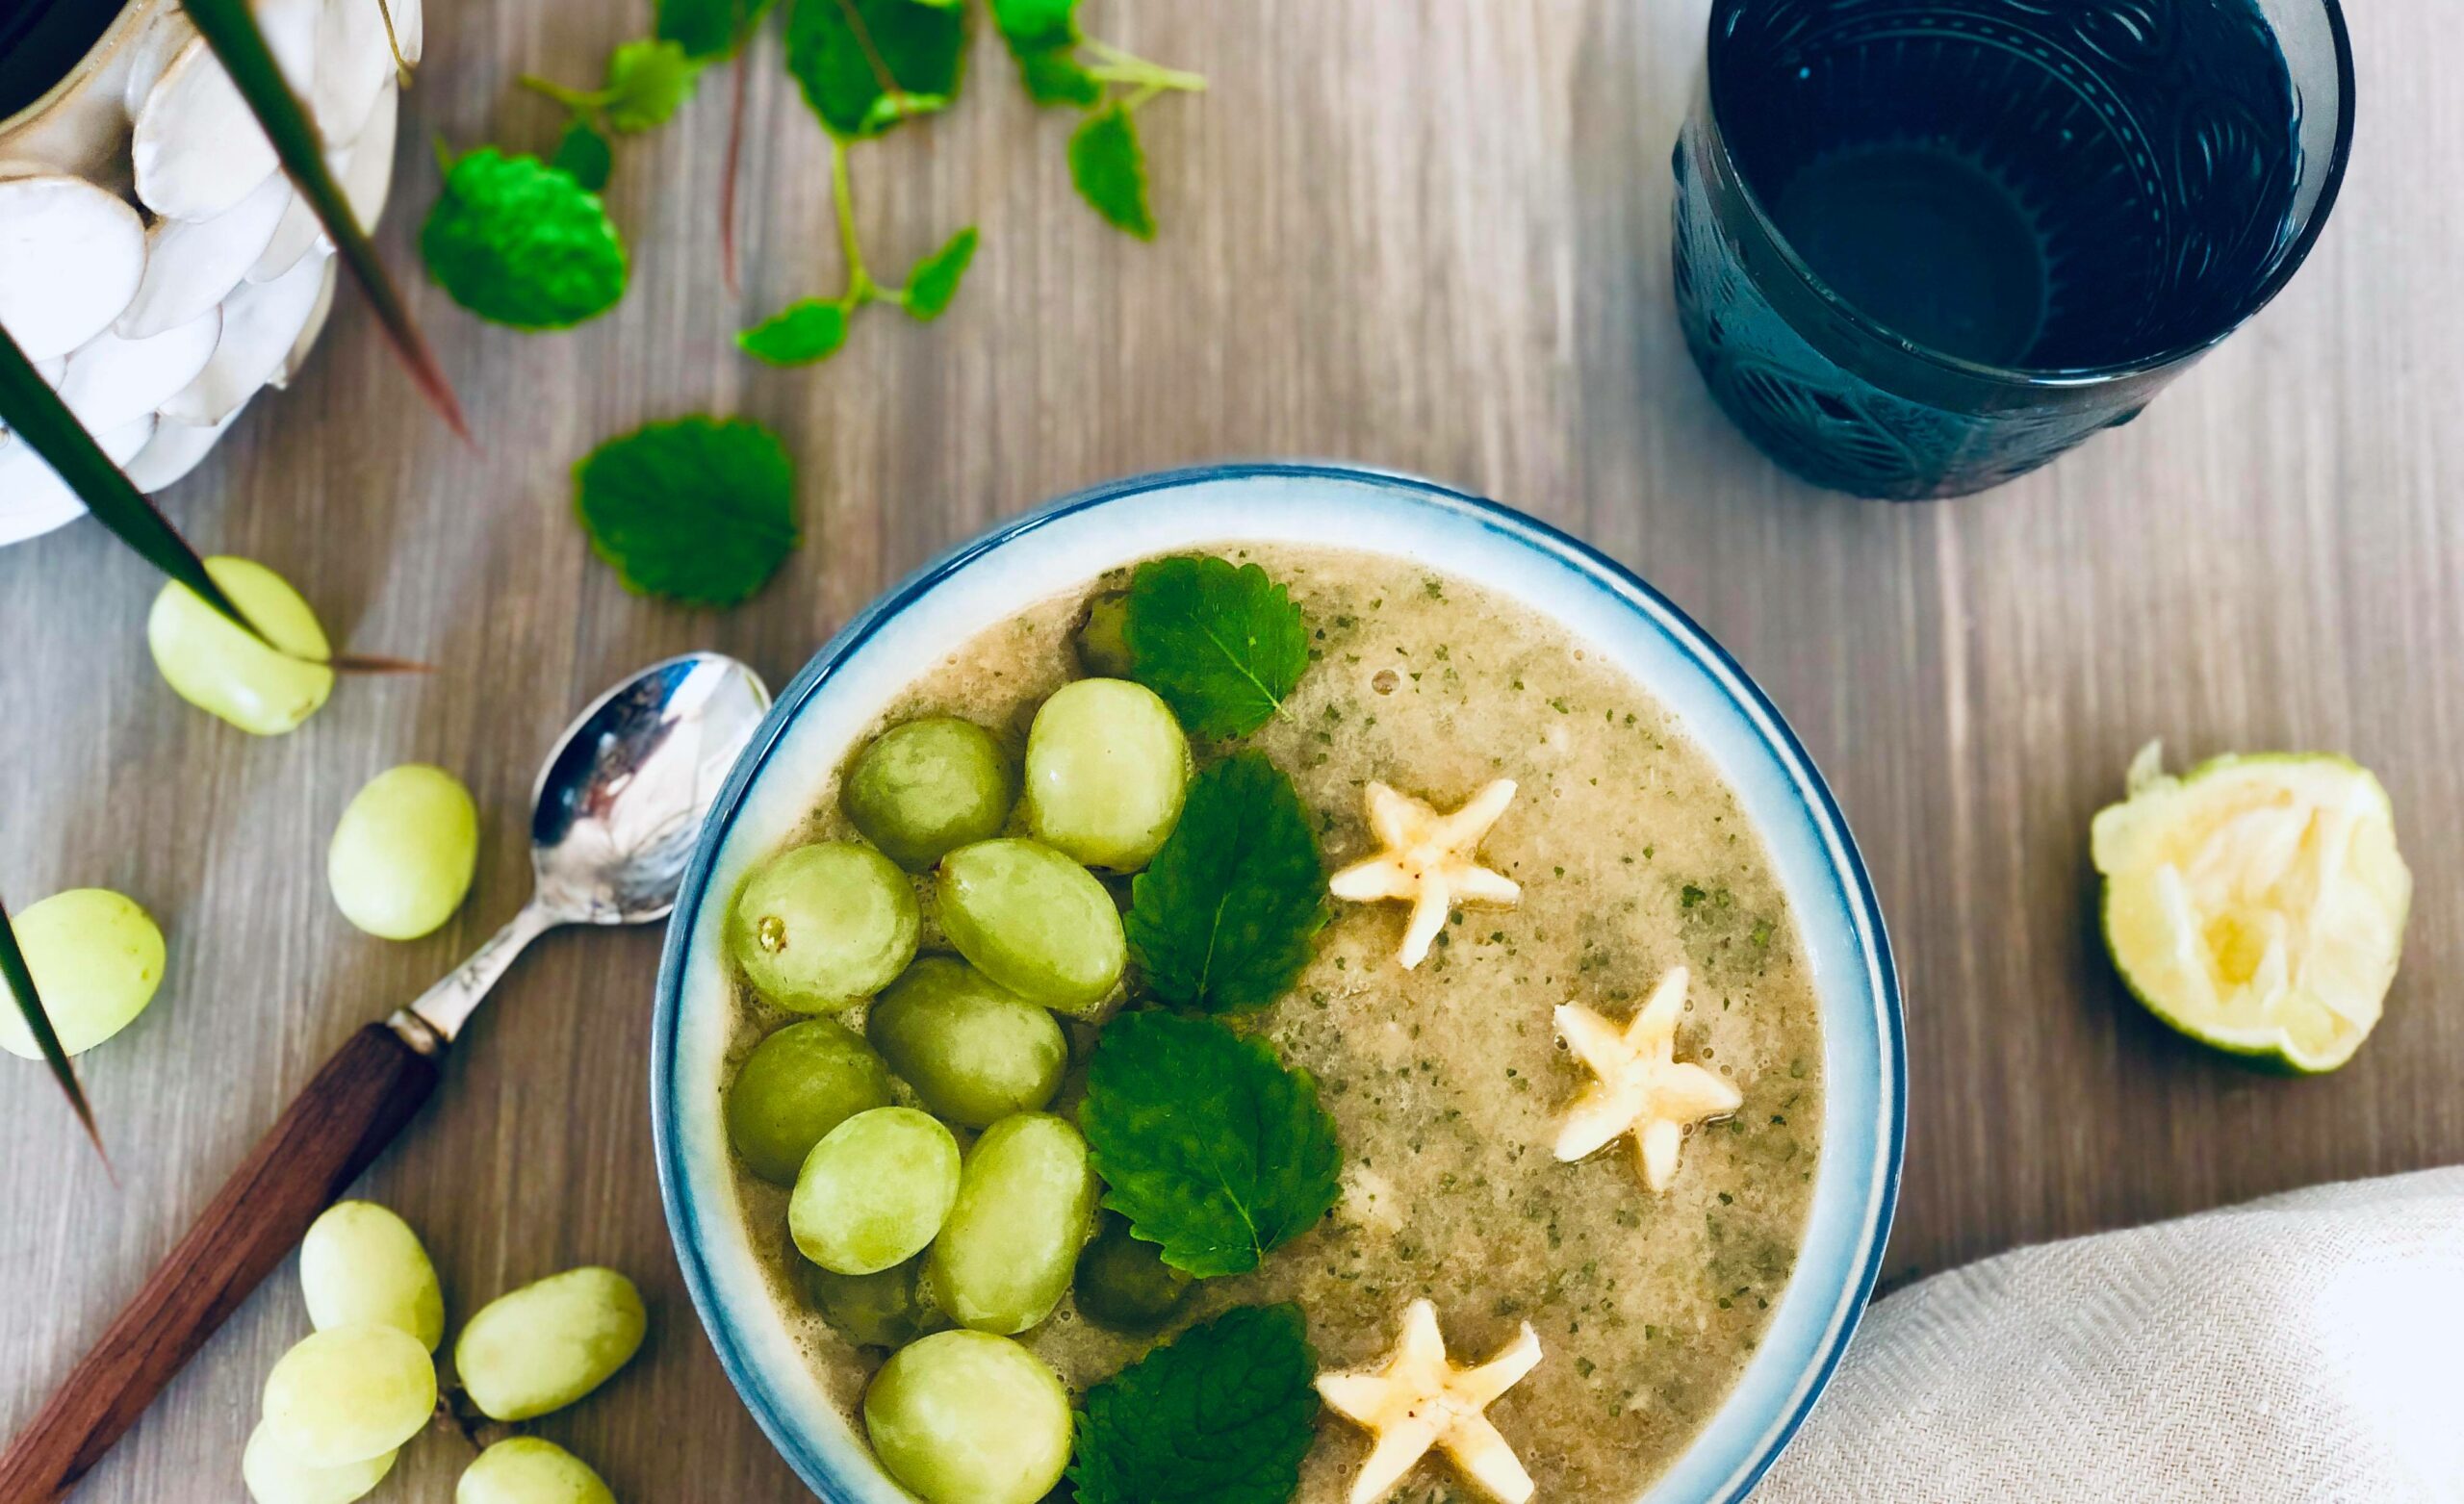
(36, 414)
(230, 28)
(21, 986)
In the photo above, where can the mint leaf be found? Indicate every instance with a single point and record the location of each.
(799, 334)
(1224, 646)
(1221, 1414)
(934, 280)
(522, 244)
(698, 510)
(1110, 169)
(1213, 1148)
(1037, 23)
(857, 60)
(583, 155)
(647, 83)
(1054, 75)
(1222, 918)
(709, 29)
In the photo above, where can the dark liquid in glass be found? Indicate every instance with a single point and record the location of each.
(2017, 204)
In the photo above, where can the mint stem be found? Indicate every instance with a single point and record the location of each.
(842, 196)
(570, 98)
(1125, 67)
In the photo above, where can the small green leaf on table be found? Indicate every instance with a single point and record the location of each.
(584, 155)
(934, 280)
(1110, 169)
(698, 510)
(1222, 918)
(20, 982)
(1043, 36)
(647, 83)
(865, 65)
(799, 334)
(1213, 1148)
(1224, 646)
(708, 29)
(523, 243)
(1221, 1414)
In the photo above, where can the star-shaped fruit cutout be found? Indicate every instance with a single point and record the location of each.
(1642, 1088)
(1420, 1400)
(1432, 859)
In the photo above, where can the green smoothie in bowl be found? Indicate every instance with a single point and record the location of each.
(1272, 1022)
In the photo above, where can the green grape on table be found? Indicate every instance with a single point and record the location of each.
(273, 1476)
(821, 928)
(96, 959)
(405, 851)
(927, 787)
(974, 1051)
(548, 1343)
(362, 1265)
(1107, 769)
(221, 670)
(874, 1192)
(966, 1417)
(1025, 1206)
(796, 1085)
(883, 1309)
(348, 1394)
(524, 1470)
(1123, 1281)
(1034, 921)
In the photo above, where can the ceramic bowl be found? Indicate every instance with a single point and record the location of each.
(1060, 547)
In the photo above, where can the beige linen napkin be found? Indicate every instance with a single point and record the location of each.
(2305, 1347)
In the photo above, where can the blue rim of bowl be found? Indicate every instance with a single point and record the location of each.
(817, 1470)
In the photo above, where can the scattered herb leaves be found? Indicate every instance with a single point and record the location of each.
(1221, 1414)
(1110, 169)
(1212, 1147)
(1222, 918)
(799, 334)
(647, 83)
(934, 280)
(698, 510)
(584, 155)
(1223, 645)
(522, 244)
(866, 65)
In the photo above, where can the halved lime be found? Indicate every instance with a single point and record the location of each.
(2256, 903)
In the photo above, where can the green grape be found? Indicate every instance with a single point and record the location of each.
(965, 1417)
(821, 928)
(883, 1309)
(221, 670)
(874, 1192)
(405, 851)
(95, 957)
(524, 1470)
(1025, 1206)
(548, 1343)
(1125, 1284)
(797, 1085)
(928, 787)
(1102, 639)
(975, 1051)
(350, 1394)
(1106, 766)
(362, 1265)
(273, 1476)
(1034, 921)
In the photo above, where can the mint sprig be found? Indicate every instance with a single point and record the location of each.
(1222, 1415)
(698, 510)
(522, 244)
(1060, 65)
(1224, 645)
(1222, 918)
(1213, 1148)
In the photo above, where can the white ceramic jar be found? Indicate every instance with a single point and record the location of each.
(155, 261)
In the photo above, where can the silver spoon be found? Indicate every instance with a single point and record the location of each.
(616, 814)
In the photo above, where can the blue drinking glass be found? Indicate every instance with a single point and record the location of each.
(1926, 245)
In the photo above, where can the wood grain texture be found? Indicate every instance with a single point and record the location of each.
(1430, 235)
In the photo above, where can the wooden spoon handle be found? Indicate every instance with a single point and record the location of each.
(340, 1122)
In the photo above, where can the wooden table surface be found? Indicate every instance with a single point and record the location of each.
(1429, 236)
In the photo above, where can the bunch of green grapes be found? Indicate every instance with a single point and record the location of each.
(942, 1211)
(340, 1406)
